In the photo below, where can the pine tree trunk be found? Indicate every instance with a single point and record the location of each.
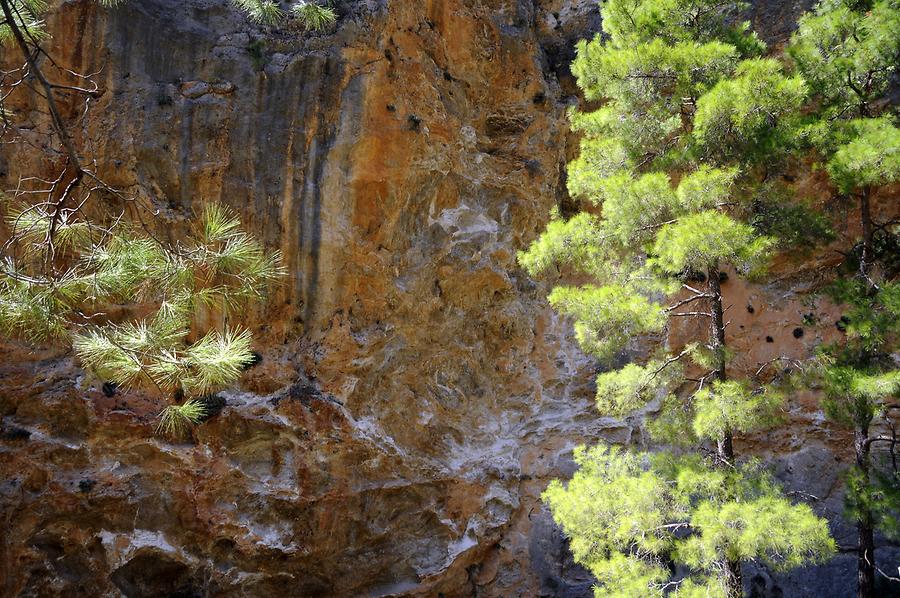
(731, 570)
(864, 527)
(717, 324)
(865, 216)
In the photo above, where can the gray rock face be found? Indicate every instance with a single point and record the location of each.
(416, 394)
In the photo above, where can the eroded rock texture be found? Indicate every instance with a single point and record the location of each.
(415, 394)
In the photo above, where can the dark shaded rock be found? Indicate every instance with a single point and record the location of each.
(256, 359)
(213, 404)
(842, 323)
(501, 125)
(151, 573)
(13, 433)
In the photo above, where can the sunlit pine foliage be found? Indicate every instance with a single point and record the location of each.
(692, 121)
(219, 268)
(849, 52)
(310, 14)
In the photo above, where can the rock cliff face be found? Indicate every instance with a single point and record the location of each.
(415, 394)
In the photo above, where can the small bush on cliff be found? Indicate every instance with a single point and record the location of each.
(309, 13)
(693, 124)
(314, 16)
(261, 11)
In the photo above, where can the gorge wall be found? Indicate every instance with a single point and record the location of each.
(416, 394)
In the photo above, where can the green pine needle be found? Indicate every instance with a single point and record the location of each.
(31, 225)
(219, 224)
(30, 311)
(217, 360)
(27, 17)
(98, 351)
(176, 419)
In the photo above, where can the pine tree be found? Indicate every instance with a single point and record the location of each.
(692, 118)
(849, 52)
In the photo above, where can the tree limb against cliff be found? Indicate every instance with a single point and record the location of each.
(69, 256)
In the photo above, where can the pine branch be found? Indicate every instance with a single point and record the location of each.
(176, 419)
(689, 300)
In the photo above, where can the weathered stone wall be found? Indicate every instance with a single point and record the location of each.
(416, 394)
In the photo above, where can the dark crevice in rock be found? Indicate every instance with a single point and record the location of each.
(152, 573)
